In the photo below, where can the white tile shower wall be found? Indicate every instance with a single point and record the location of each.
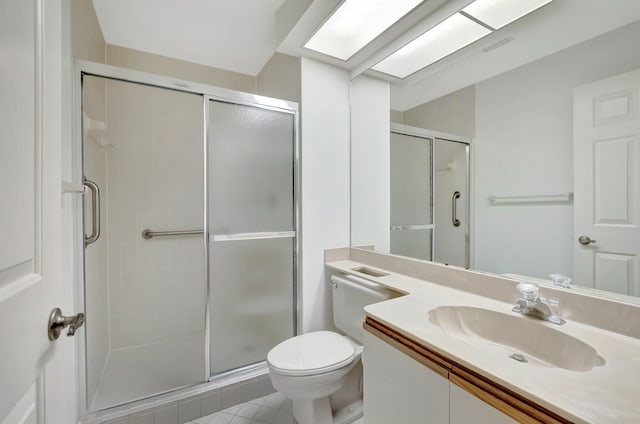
(157, 286)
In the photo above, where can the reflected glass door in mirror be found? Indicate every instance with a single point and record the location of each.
(425, 171)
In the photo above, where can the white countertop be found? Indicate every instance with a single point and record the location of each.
(605, 394)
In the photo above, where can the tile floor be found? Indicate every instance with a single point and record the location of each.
(272, 409)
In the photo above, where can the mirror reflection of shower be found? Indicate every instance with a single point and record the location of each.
(429, 200)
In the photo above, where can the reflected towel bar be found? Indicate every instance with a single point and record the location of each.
(543, 198)
(411, 227)
(148, 234)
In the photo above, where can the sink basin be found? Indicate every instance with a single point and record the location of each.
(520, 338)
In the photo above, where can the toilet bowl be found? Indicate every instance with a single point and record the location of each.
(312, 367)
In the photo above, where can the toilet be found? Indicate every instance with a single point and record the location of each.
(312, 368)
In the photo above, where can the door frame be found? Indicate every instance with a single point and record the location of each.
(208, 93)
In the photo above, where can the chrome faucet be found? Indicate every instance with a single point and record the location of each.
(532, 304)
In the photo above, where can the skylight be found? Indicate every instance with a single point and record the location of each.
(498, 13)
(472, 23)
(448, 36)
(355, 24)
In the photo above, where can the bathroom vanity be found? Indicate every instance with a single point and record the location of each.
(452, 349)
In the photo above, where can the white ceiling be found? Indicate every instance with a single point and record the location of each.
(237, 35)
(240, 36)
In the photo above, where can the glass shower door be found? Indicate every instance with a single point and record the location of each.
(411, 162)
(451, 189)
(252, 239)
(144, 296)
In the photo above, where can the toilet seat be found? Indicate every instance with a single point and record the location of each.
(311, 354)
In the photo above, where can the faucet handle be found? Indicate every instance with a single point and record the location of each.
(529, 291)
(560, 280)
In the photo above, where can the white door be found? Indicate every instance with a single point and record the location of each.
(32, 368)
(607, 184)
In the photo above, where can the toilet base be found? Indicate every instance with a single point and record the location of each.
(313, 411)
(318, 411)
(349, 413)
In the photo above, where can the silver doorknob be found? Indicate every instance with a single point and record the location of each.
(57, 322)
(585, 240)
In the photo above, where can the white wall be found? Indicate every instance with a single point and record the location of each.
(325, 183)
(524, 146)
(370, 168)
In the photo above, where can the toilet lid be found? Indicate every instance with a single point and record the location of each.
(311, 353)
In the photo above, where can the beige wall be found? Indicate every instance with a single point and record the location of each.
(453, 114)
(397, 116)
(162, 65)
(87, 41)
(280, 78)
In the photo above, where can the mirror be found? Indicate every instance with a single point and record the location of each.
(524, 172)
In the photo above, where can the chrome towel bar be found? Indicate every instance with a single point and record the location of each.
(148, 234)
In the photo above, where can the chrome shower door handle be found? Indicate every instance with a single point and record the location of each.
(454, 209)
(95, 212)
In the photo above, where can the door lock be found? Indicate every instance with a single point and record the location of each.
(58, 322)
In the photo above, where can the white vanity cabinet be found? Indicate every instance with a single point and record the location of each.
(399, 389)
(407, 383)
(465, 408)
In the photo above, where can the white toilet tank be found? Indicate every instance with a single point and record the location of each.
(350, 295)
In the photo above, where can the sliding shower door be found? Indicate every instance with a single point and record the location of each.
(144, 297)
(411, 162)
(252, 239)
(190, 220)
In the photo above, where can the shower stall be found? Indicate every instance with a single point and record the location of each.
(190, 224)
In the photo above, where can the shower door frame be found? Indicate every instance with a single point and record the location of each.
(76, 162)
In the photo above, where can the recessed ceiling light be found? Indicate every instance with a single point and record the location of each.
(498, 13)
(450, 35)
(355, 24)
